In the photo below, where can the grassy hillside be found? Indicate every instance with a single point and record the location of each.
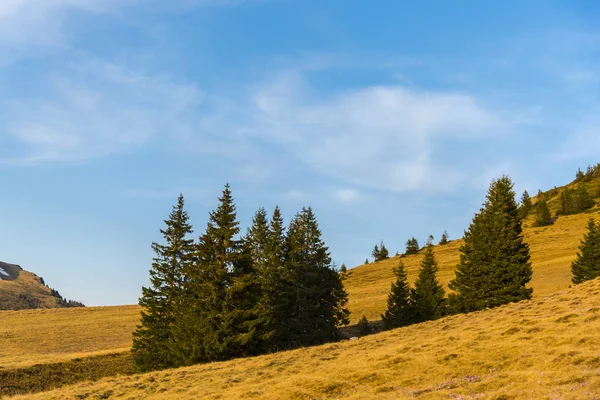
(553, 248)
(30, 337)
(71, 333)
(543, 348)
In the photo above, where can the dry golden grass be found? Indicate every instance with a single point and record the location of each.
(54, 335)
(543, 348)
(51, 335)
(553, 248)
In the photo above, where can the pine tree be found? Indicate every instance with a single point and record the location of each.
(313, 300)
(153, 339)
(542, 215)
(587, 264)
(375, 253)
(428, 296)
(566, 202)
(343, 272)
(363, 326)
(494, 261)
(383, 252)
(412, 246)
(219, 316)
(366, 260)
(444, 239)
(526, 205)
(399, 310)
(582, 199)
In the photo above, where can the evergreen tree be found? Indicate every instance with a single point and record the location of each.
(383, 252)
(582, 199)
(375, 253)
(366, 260)
(428, 296)
(444, 239)
(313, 300)
(153, 339)
(219, 316)
(587, 264)
(566, 202)
(526, 204)
(412, 246)
(343, 272)
(399, 310)
(494, 261)
(257, 238)
(542, 215)
(363, 326)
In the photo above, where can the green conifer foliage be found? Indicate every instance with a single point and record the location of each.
(313, 305)
(153, 339)
(219, 316)
(542, 215)
(428, 296)
(400, 311)
(587, 264)
(526, 205)
(375, 253)
(444, 239)
(383, 252)
(494, 266)
(412, 246)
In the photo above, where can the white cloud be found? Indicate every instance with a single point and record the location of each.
(379, 137)
(97, 109)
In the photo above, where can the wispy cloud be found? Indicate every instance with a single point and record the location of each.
(97, 109)
(378, 136)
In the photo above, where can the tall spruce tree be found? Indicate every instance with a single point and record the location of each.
(314, 300)
(400, 310)
(526, 204)
(153, 339)
(218, 318)
(428, 296)
(494, 266)
(542, 214)
(587, 264)
(273, 284)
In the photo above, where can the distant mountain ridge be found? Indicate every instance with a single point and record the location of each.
(21, 289)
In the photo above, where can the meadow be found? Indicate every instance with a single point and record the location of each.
(543, 348)
(92, 343)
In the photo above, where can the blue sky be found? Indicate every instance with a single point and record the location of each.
(389, 118)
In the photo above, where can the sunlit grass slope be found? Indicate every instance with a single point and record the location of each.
(30, 337)
(544, 348)
(41, 336)
(553, 248)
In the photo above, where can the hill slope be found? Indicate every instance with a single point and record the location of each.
(553, 248)
(70, 333)
(540, 348)
(20, 289)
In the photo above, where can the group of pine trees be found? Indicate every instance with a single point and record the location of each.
(494, 267)
(426, 301)
(380, 252)
(227, 295)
